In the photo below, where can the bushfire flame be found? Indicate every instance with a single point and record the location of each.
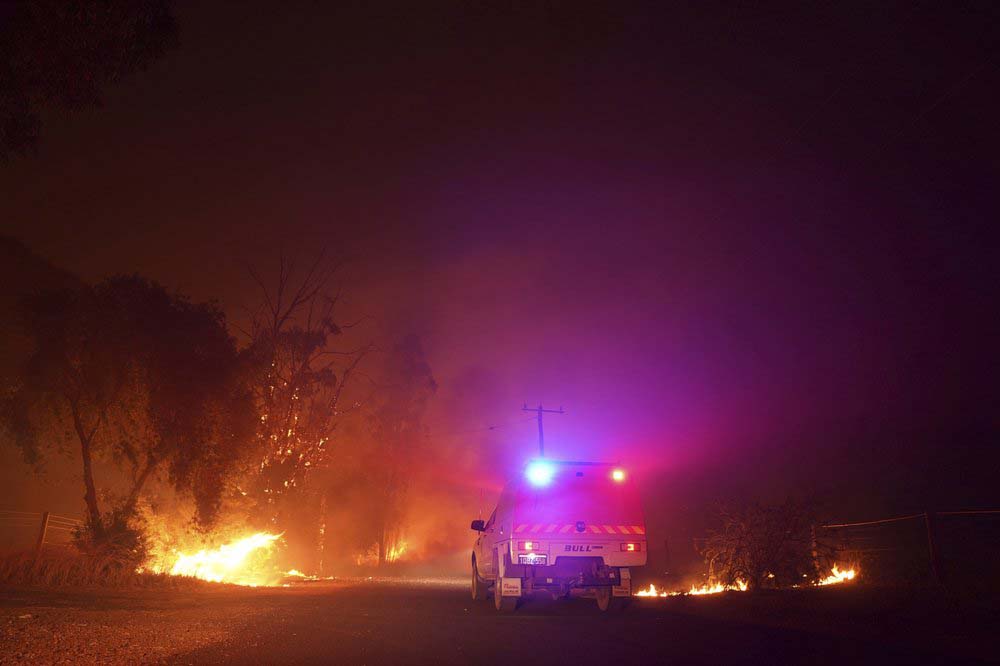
(837, 576)
(395, 552)
(740, 586)
(229, 563)
(369, 557)
(653, 592)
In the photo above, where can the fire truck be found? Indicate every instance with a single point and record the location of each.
(561, 527)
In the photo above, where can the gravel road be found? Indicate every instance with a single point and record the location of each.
(420, 622)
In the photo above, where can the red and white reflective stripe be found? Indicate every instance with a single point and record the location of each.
(593, 529)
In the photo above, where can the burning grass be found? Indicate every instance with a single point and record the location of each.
(651, 591)
(68, 567)
(243, 561)
(836, 576)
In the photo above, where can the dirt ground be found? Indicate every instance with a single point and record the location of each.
(435, 622)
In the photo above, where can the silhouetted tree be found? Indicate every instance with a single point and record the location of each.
(54, 52)
(299, 382)
(397, 435)
(763, 545)
(127, 370)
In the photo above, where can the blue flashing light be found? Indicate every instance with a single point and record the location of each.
(540, 473)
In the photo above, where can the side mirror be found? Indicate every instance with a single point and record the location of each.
(478, 525)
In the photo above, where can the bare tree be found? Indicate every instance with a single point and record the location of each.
(301, 376)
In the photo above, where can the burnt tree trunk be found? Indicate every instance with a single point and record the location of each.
(382, 545)
(90, 489)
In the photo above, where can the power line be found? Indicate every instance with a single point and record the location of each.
(488, 428)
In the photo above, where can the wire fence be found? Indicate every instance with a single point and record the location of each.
(943, 547)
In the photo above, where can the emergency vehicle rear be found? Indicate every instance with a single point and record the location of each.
(561, 526)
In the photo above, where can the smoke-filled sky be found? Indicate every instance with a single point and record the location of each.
(746, 247)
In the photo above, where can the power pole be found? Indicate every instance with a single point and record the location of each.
(541, 433)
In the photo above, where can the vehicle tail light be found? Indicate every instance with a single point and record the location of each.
(632, 547)
(529, 545)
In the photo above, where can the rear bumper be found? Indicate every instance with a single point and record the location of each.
(570, 572)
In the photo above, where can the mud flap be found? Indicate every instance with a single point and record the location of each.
(510, 587)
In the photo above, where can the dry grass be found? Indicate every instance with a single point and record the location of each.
(68, 567)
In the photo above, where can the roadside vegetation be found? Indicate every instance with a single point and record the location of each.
(69, 567)
(766, 545)
(206, 429)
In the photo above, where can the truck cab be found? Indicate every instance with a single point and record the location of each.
(558, 527)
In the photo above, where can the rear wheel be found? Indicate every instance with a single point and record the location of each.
(606, 600)
(480, 592)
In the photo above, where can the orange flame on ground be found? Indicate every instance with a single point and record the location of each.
(740, 586)
(837, 576)
(237, 562)
(653, 592)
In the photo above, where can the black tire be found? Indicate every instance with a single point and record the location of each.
(480, 590)
(607, 601)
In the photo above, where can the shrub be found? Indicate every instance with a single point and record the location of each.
(70, 567)
(764, 545)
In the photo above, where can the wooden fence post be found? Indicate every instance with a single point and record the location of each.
(41, 535)
(814, 549)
